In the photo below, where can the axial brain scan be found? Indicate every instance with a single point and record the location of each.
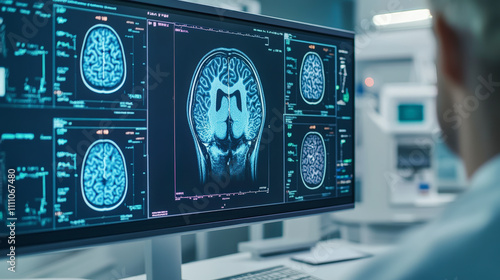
(226, 111)
(313, 160)
(312, 79)
(104, 176)
(102, 61)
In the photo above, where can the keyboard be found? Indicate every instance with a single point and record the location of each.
(273, 273)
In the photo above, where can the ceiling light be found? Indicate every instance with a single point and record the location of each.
(402, 17)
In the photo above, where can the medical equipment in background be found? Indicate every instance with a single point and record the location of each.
(449, 170)
(400, 187)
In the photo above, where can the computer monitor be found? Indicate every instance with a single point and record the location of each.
(131, 119)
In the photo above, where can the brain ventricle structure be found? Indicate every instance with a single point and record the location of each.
(104, 176)
(313, 160)
(226, 111)
(312, 78)
(102, 60)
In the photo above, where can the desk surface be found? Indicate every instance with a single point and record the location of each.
(242, 262)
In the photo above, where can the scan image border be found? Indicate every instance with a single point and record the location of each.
(83, 169)
(324, 81)
(124, 60)
(201, 161)
(325, 161)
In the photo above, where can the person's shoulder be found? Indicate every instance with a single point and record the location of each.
(480, 203)
(462, 242)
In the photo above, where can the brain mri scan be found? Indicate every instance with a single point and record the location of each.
(226, 112)
(312, 78)
(104, 176)
(102, 61)
(313, 160)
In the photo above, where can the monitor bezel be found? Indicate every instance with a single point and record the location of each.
(67, 239)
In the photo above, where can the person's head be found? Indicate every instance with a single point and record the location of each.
(468, 58)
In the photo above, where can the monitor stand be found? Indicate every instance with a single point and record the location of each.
(163, 257)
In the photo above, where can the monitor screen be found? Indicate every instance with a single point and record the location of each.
(129, 119)
(411, 113)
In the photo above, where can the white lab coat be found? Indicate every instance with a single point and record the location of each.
(462, 243)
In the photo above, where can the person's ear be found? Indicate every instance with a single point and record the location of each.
(451, 55)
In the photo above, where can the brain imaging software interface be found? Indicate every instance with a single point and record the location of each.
(114, 113)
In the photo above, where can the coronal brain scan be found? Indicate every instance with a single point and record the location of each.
(226, 111)
(313, 160)
(312, 79)
(104, 176)
(102, 60)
